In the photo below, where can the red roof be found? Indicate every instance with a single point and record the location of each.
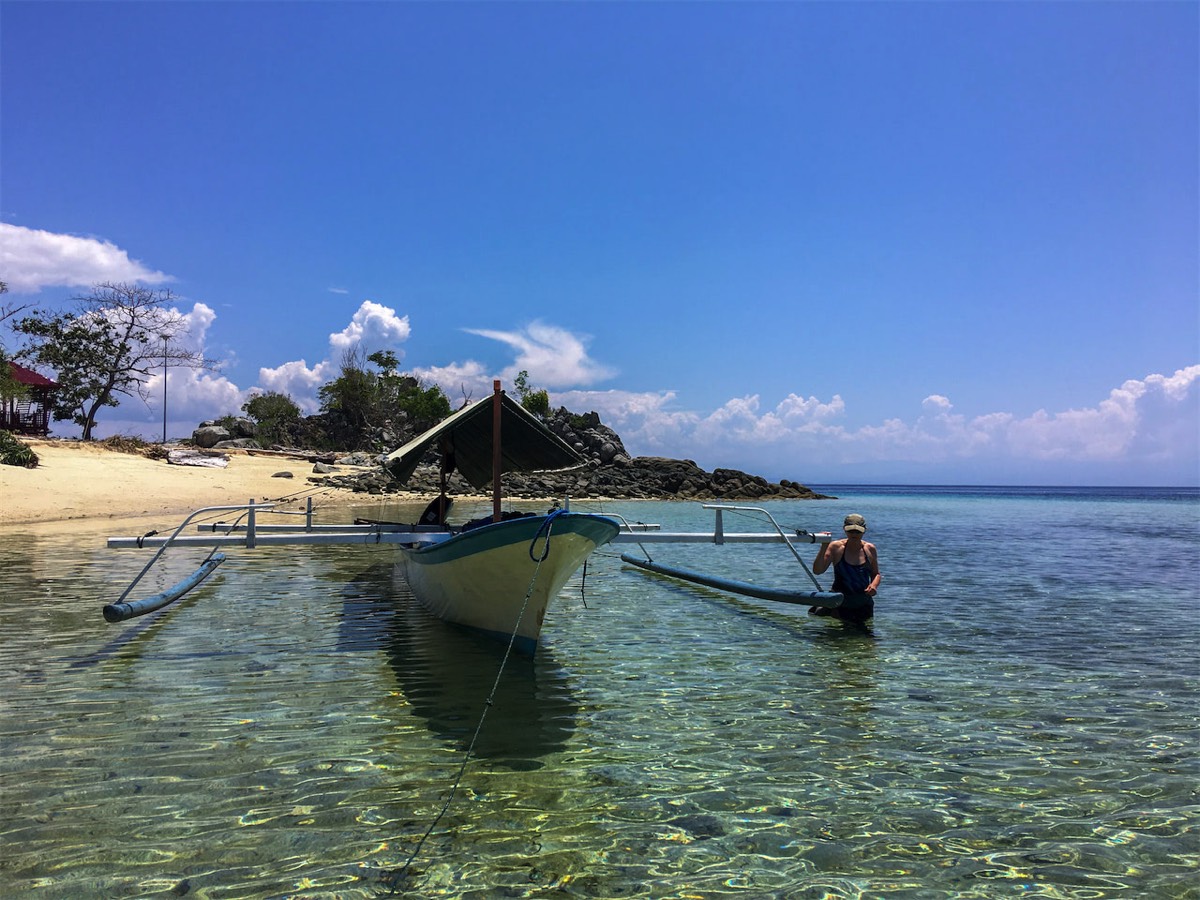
(30, 377)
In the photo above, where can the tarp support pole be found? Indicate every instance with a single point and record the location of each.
(496, 458)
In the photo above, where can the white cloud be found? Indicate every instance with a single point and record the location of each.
(373, 327)
(298, 381)
(936, 403)
(458, 381)
(194, 395)
(32, 259)
(553, 356)
(195, 324)
(1144, 423)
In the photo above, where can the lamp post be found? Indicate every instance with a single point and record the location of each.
(164, 440)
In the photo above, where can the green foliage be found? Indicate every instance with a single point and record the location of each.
(578, 421)
(10, 388)
(15, 453)
(78, 349)
(385, 359)
(536, 402)
(425, 407)
(276, 416)
(361, 399)
(119, 336)
(228, 422)
(349, 403)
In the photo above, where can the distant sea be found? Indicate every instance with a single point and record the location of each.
(1021, 718)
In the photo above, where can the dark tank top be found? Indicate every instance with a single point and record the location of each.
(851, 579)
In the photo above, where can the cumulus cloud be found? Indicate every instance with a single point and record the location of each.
(373, 327)
(553, 356)
(1148, 420)
(298, 381)
(32, 259)
(194, 395)
(1144, 423)
(193, 333)
(459, 381)
(937, 403)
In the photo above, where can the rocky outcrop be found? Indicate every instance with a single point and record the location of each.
(589, 437)
(640, 478)
(609, 472)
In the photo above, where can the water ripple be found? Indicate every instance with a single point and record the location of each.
(292, 729)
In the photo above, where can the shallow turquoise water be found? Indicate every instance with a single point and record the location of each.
(1021, 720)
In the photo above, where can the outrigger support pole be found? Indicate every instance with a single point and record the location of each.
(120, 610)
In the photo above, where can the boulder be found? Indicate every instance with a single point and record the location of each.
(210, 435)
(244, 428)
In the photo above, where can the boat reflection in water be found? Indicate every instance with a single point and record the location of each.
(447, 673)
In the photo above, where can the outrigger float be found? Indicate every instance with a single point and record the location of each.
(497, 576)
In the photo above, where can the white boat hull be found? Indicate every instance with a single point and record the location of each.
(490, 578)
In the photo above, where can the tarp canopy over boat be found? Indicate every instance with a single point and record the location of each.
(526, 445)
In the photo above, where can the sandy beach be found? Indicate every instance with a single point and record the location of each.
(86, 481)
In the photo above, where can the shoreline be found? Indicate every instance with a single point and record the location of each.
(76, 481)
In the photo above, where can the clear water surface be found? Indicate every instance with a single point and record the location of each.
(1021, 719)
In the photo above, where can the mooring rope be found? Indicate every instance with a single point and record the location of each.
(393, 879)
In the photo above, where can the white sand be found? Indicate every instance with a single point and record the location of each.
(83, 481)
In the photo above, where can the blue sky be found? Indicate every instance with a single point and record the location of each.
(914, 242)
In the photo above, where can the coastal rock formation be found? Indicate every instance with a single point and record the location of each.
(609, 472)
(640, 478)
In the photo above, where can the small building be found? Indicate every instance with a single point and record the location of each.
(29, 411)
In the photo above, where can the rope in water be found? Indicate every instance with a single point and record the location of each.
(393, 879)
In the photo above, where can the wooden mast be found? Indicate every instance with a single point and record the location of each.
(497, 401)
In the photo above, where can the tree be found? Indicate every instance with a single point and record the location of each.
(8, 310)
(348, 402)
(424, 406)
(360, 399)
(275, 414)
(537, 402)
(9, 386)
(118, 336)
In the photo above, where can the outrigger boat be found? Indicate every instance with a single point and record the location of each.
(495, 576)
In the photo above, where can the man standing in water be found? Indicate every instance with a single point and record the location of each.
(855, 572)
